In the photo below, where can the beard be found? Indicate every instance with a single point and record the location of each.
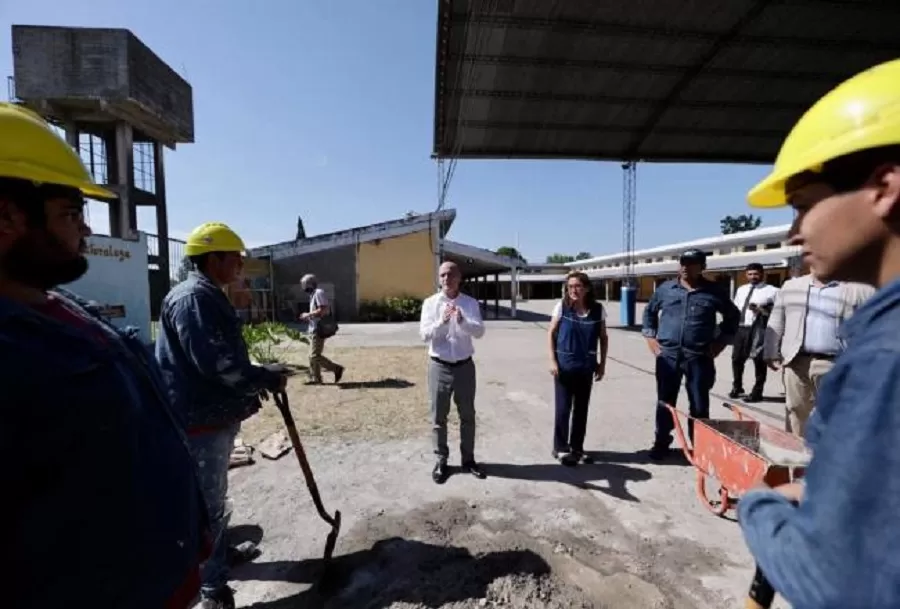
(40, 260)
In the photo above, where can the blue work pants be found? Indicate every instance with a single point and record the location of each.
(699, 373)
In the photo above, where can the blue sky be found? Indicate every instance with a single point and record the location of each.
(325, 110)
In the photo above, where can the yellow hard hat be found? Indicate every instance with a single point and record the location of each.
(31, 150)
(860, 113)
(213, 237)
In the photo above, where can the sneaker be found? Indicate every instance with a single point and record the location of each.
(559, 454)
(735, 393)
(585, 458)
(569, 459)
(338, 374)
(473, 468)
(440, 473)
(755, 396)
(223, 598)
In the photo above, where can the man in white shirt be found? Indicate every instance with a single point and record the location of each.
(449, 322)
(754, 299)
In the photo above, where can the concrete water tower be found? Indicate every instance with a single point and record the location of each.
(107, 88)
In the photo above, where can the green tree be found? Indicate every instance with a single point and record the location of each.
(559, 258)
(510, 252)
(582, 255)
(739, 224)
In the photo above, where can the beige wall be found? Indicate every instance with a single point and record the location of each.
(401, 266)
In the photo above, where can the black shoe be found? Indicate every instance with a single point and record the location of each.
(755, 396)
(338, 374)
(223, 598)
(313, 382)
(735, 393)
(242, 553)
(559, 454)
(440, 473)
(473, 468)
(569, 459)
(584, 458)
(658, 452)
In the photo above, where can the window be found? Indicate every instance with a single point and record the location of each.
(748, 248)
(772, 246)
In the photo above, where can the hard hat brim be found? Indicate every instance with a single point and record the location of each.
(768, 193)
(42, 175)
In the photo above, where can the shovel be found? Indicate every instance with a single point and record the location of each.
(281, 401)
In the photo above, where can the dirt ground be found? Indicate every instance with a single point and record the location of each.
(381, 397)
(624, 533)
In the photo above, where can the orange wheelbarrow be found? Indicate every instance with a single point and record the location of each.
(739, 453)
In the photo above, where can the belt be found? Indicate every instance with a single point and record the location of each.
(442, 362)
(817, 355)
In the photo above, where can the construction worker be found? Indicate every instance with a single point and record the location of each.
(211, 381)
(102, 505)
(832, 541)
(683, 334)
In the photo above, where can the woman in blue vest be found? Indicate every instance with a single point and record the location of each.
(577, 328)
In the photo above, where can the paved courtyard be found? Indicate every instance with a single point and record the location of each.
(624, 531)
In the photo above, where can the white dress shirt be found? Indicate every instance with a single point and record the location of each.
(763, 296)
(450, 341)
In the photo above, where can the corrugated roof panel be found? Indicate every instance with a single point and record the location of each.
(652, 53)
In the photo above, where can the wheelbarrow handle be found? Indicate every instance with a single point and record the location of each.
(679, 431)
(736, 411)
(281, 402)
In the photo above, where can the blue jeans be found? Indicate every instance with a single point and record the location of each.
(699, 373)
(212, 451)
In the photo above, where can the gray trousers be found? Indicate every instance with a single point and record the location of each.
(457, 382)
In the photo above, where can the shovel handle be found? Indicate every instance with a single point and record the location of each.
(281, 401)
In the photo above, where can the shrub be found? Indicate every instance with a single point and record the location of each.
(395, 308)
(265, 341)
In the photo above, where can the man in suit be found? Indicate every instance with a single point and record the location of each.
(802, 337)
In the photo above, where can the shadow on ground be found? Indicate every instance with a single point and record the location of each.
(616, 475)
(640, 457)
(397, 570)
(391, 383)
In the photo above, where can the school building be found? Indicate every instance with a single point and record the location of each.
(727, 257)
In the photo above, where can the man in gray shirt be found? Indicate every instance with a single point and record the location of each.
(319, 309)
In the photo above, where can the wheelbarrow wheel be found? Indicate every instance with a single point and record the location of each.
(718, 506)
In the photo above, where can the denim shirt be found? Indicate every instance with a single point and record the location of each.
(841, 547)
(102, 499)
(684, 321)
(204, 359)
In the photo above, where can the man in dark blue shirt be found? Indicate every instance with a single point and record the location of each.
(102, 505)
(834, 541)
(683, 332)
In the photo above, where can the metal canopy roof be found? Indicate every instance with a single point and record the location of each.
(651, 80)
